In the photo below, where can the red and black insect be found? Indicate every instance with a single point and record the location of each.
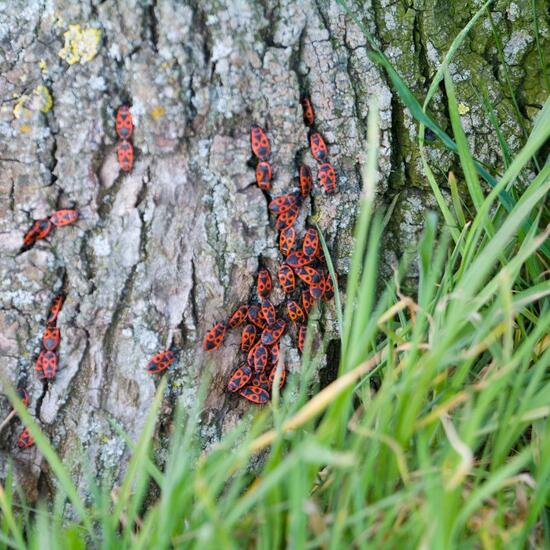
(238, 317)
(64, 217)
(239, 378)
(307, 301)
(159, 362)
(327, 177)
(295, 312)
(248, 338)
(25, 439)
(284, 203)
(309, 275)
(260, 143)
(318, 147)
(286, 219)
(298, 259)
(38, 365)
(255, 317)
(309, 113)
(320, 255)
(260, 358)
(125, 155)
(264, 173)
(282, 380)
(49, 365)
(329, 287)
(286, 279)
(124, 124)
(261, 380)
(317, 290)
(267, 309)
(264, 284)
(38, 230)
(273, 357)
(51, 338)
(310, 246)
(214, 338)
(254, 394)
(306, 180)
(287, 238)
(23, 394)
(55, 308)
(272, 334)
(302, 333)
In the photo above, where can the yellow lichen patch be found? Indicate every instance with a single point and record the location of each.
(42, 65)
(25, 128)
(158, 112)
(463, 109)
(20, 110)
(80, 46)
(45, 101)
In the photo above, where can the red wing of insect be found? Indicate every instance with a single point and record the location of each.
(239, 378)
(64, 217)
(259, 143)
(318, 147)
(264, 173)
(281, 380)
(25, 439)
(284, 203)
(309, 113)
(38, 365)
(309, 275)
(49, 365)
(272, 334)
(254, 394)
(38, 230)
(310, 246)
(238, 317)
(125, 155)
(273, 357)
(306, 180)
(214, 338)
(55, 308)
(307, 301)
(124, 124)
(51, 338)
(302, 332)
(160, 361)
(287, 219)
(329, 287)
(286, 279)
(23, 394)
(317, 290)
(298, 259)
(295, 312)
(327, 177)
(264, 284)
(260, 358)
(267, 309)
(255, 317)
(287, 238)
(251, 353)
(248, 338)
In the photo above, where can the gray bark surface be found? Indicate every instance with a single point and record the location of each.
(161, 254)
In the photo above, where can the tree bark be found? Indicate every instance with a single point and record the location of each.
(161, 254)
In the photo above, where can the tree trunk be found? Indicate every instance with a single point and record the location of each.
(161, 254)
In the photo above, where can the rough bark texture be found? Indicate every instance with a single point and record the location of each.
(160, 254)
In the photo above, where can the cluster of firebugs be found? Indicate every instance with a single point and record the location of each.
(302, 276)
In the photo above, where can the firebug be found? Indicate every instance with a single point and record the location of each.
(272, 334)
(239, 378)
(264, 173)
(298, 259)
(309, 114)
(287, 238)
(287, 219)
(284, 203)
(51, 338)
(124, 124)
(215, 336)
(267, 309)
(25, 439)
(64, 217)
(286, 279)
(254, 394)
(238, 317)
(295, 312)
(309, 275)
(55, 308)
(160, 361)
(310, 246)
(264, 284)
(125, 155)
(327, 177)
(248, 338)
(318, 147)
(306, 181)
(260, 143)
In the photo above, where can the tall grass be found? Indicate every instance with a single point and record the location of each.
(436, 434)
